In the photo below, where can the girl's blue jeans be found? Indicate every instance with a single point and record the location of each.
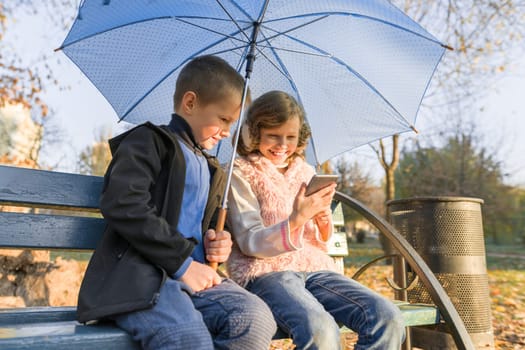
(311, 306)
(225, 316)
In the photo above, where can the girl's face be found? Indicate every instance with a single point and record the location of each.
(279, 143)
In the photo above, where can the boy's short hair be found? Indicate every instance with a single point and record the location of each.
(210, 77)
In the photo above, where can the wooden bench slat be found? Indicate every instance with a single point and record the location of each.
(49, 231)
(56, 328)
(49, 189)
(37, 314)
(414, 314)
(66, 336)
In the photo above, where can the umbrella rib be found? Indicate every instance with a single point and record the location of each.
(296, 51)
(233, 20)
(364, 80)
(293, 28)
(328, 14)
(359, 76)
(124, 115)
(225, 36)
(323, 53)
(282, 69)
(178, 18)
(228, 36)
(275, 65)
(402, 28)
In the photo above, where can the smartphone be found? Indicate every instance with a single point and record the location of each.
(319, 181)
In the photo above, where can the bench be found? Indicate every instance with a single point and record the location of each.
(57, 219)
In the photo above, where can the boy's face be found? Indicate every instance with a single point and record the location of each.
(210, 123)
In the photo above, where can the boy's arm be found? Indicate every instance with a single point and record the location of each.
(246, 225)
(128, 207)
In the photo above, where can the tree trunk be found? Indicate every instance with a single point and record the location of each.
(390, 189)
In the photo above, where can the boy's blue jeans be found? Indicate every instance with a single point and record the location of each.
(223, 317)
(309, 307)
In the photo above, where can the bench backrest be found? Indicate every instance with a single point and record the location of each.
(59, 205)
(62, 202)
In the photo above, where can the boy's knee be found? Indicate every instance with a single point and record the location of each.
(251, 324)
(257, 311)
(190, 336)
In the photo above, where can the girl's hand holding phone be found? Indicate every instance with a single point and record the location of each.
(307, 207)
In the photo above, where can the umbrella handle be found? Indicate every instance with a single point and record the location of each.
(221, 220)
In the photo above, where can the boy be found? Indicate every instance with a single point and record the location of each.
(149, 272)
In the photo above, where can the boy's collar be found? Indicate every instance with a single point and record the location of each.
(181, 127)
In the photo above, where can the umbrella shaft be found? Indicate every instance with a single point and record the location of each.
(250, 58)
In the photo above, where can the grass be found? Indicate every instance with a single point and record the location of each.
(513, 249)
(506, 273)
(499, 257)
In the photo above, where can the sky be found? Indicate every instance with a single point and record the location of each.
(81, 110)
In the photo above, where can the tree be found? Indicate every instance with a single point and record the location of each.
(95, 159)
(353, 181)
(485, 35)
(460, 168)
(22, 82)
(389, 166)
(358, 184)
(518, 220)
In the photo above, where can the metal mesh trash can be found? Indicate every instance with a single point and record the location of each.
(448, 234)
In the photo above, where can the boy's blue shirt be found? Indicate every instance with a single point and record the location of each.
(194, 201)
(196, 189)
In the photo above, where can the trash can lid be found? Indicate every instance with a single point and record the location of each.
(435, 199)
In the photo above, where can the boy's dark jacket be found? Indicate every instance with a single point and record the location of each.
(141, 203)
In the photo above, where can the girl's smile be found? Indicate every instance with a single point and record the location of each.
(278, 144)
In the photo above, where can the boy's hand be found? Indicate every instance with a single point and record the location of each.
(200, 276)
(217, 245)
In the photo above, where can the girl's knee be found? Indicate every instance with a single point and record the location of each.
(391, 323)
(318, 331)
(326, 335)
(389, 313)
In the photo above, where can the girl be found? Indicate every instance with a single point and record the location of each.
(280, 237)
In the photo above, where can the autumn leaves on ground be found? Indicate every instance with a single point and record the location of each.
(506, 272)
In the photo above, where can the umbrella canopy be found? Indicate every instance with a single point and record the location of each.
(359, 68)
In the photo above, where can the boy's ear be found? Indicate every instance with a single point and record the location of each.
(189, 101)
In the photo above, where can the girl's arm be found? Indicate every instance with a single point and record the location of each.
(246, 225)
(324, 224)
